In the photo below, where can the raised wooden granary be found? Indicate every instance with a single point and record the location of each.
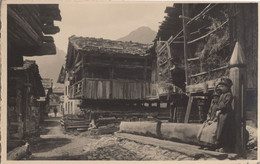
(101, 69)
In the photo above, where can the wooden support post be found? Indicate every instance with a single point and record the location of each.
(83, 87)
(188, 110)
(111, 77)
(185, 13)
(169, 61)
(150, 104)
(145, 68)
(237, 75)
(158, 104)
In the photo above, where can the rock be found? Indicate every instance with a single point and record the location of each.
(252, 137)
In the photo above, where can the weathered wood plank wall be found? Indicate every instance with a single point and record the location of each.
(120, 89)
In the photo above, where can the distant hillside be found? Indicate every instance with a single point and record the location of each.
(142, 35)
(50, 65)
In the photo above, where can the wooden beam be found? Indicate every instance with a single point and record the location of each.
(31, 15)
(185, 12)
(203, 12)
(115, 55)
(50, 29)
(145, 68)
(44, 49)
(198, 74)
(188, 110)
(50, 10)
(20, 23)
(204, 36)
(117, 65)
(193, 59)
(48, 39)
(200, 87)
(45, 19)
(169, 9)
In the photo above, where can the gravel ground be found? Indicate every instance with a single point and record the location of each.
(92, 145)
(53, 144)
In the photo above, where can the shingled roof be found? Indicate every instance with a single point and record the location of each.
(32, 67)
(108, 46)
(27, 64)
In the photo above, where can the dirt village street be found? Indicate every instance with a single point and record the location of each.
(54, 144)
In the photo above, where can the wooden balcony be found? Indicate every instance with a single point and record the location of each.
(104, 89)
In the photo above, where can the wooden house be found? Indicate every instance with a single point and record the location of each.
(25, 88)
(47, 85)
(55, 100)
(101, 69)
(202, 43)
(29, 27)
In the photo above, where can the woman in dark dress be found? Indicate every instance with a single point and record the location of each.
(224, 112)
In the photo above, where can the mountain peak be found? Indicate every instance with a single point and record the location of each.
(142, 34)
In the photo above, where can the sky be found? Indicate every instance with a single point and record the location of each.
(107, 20)
(101, 20)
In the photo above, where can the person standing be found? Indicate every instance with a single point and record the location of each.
(224, 113)
(55, 111)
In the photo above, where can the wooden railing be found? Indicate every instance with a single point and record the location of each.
(76, 90)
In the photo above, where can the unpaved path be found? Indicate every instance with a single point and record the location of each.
(53, 144)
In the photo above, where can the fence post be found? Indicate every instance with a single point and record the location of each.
(237, 75)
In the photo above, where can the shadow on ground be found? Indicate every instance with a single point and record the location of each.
(48, 144)
(44, 131)
(52, 122)
(112, 152)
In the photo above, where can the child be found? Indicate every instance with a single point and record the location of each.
(212, 114)
(224, 110)
(207, 133)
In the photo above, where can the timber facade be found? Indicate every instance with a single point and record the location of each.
(198, 44)
(194, 57)
(24, 111)
(29, 27)
(102, 69)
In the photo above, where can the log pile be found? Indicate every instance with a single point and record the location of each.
(73, 122)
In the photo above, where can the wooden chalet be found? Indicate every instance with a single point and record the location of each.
(25, 88)
(102, 69)
(47, 85)
(29, 27)
(197, 44)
